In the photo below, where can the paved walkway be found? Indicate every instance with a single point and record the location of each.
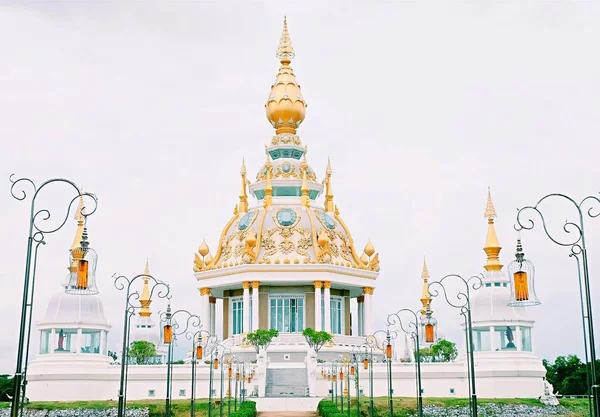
(286, 414)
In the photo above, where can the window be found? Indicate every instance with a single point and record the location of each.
(237, 309)
(45, 341)
(488, 284)
(182, 393)
(287, 313)
(452, 391)
(505, 336)
(151, 393)
(90, 342)
(481, 339)
(65, 340)
(497, 284)
(526, 339)
(336, 310)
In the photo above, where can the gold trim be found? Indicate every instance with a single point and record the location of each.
(223, 234)
(204, 291)
(368, 290)
(354, 255)
(327, 284)
(246, 285)
(318, 285)
(255, 284)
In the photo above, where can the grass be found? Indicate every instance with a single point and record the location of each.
(403, 407)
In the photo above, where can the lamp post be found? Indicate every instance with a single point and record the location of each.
(411, 329)
(574, 239)
(463, 303)
(217, 353)
(367, 359)
(345, 360)
(198, 349)
(359, 356)
(390, 336)
(123, 283)
(36, 237)
(171, 330)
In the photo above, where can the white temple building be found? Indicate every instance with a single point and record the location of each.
(286, 260)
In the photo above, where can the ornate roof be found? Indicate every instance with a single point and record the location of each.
(286, 225)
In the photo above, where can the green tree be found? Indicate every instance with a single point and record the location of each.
(315, 339)
(142, 351)
(568, 375)
(444, 351)
(425, 355)
(6, 387)
(261, 339)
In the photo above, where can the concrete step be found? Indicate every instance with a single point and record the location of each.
(286, 382)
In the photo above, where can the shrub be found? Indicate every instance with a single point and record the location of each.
(247, 409)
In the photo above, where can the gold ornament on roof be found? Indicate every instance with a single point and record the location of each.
(369, 249)
(425, 295)
(285, 106)
(145, 300)
(204, 249)
(243, 193)
(329, 206)
(492, 246)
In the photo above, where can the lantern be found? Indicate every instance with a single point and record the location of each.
(250, 380)
(199, 352)
(328, 377)
(168, 333)
(229, 372)
(521, 272)
(341, 375)
(216, 363)
(352, 370)
(334, 377)
(82, 269)
(237, 376)
(366, 363)
(388, 351)
(429, 337)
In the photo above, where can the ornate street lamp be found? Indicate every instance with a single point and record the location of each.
(37, 235)
(362, 355)
(387, 348)
(574, 239)
(218, 354)
(171, 330)
(200, 340)
(522, 272)
(124, 283)
(463, 303)
(412, 329)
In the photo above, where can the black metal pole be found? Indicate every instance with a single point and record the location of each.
(473, 389)
(221, 396)
(371, 384)
(595, 392)
(169, 370)
(348, 387)
(210, 384)
(193, 393)
(419, 388)
(121, 405)
(357, 390)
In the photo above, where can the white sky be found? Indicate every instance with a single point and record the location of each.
(421, 106)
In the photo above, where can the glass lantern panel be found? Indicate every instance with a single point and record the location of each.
(83, 273)
(90, 342)
(481, 339)
(506, 336)
(526, 339)
(45, 341)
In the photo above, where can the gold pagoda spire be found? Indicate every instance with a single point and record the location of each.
(285, 106)
(243, 194)
(145, 300)
(268, 187)
(80, 221)
(305, 201)
(492, 246)
(425, 295)
(329, 206)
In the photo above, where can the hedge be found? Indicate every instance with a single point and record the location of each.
(328, 408)
(246, 409)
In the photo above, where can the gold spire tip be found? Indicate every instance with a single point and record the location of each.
(425, 273)
(490, 211)
(243, 170)
(285, 51)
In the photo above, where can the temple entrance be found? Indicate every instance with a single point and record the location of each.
(286, 313)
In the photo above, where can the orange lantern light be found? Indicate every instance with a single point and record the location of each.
(429, 333)
(522, 285)
(352, 370)
(230, 372)
(168, 333)
(388, 351)
(366, 363)
(199, 352)
(216, 363)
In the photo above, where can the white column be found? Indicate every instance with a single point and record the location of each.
(79, 341)
(493, 346)
(367, 318)
(213, 314)
(318, 286)
(518, 339)
(327, 301)
(255, 309)
(205, 295)
(102, 339)
(52, 342)
(246, 309)
(360, 322)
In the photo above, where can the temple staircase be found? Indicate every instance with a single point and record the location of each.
(286, 382)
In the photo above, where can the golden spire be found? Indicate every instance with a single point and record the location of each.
(425, 295)
(329, 206)
(80, 220)
(369, 249)
(285, 106)
(492, 246)
(305, 201)
(268, 187)
(145, 300)
(243, 195)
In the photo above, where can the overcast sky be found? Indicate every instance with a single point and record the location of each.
(420, 105)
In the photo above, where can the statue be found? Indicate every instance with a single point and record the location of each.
(548, 398)
(510, 337)
(61, 340)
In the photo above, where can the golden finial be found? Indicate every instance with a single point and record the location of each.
(492, 246)
(425, 295)
(235, 210)
(269, 187)
(243, 195)
(285, 106)
(79, 216)
(203, 249)
(285, 51)
(329, 206)
(145, 300)
(305, 201)
(369, 248)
